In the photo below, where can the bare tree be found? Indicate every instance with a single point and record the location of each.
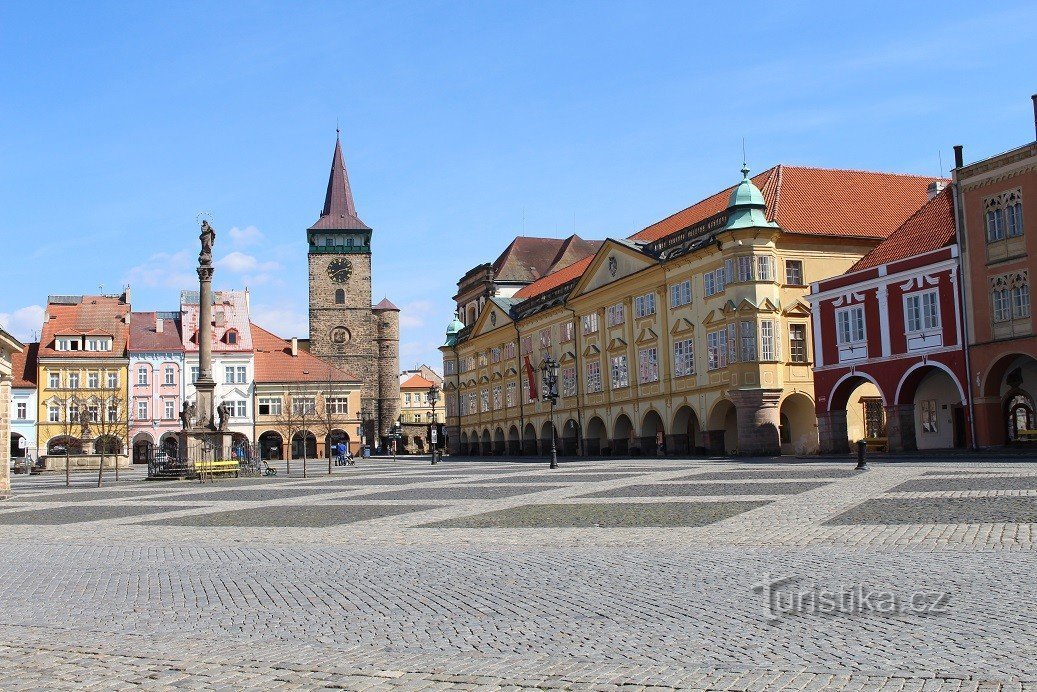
(331, 414)
(112, 420)
(291, 421)
(69, 424)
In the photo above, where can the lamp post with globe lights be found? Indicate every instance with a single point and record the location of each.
(549, 369)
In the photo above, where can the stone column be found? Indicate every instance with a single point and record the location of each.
(757, 411)
(900, 427)
(833, 435)
(991, 425)
(712, 441)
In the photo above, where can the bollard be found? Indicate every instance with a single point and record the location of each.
(862, 461)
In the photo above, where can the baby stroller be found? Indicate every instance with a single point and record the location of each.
(268, 470)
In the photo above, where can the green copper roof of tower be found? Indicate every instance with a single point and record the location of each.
(452, 330)
(747, 208)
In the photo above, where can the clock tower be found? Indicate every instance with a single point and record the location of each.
(344, 327)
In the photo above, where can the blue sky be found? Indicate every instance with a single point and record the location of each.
(463, 125)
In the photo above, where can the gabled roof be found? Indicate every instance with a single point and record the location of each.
(230, 312)
(144, 335)
(275, 363)
(23, 366)
(86, 315)
(339, 212)
(817, 201)
(416, 382)
(527, 259)
(565, 275)
(928, 229)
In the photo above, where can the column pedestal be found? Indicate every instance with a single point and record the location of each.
(757, 411)
(833, 435)
(900, 427)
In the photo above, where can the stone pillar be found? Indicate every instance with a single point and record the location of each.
(712, 441)
(757, 411)
(832, 433)
(991, 425)
(677, 445)
(900, 427)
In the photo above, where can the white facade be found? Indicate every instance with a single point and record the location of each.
(235, 376)
(23, 421)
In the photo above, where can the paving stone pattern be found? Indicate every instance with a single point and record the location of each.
(968, 484)
(467, 492)
(281, 594)
(782, 473)
(688, 489)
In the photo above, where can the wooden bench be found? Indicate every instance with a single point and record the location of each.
(1026, 435)
(876, 444)
(218, 467)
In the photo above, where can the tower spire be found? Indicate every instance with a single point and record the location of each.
(339, 212)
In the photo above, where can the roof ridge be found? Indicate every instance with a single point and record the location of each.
(860, 170)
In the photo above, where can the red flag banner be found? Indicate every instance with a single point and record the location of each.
(532, 377)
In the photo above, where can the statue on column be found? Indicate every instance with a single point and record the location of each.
(208, 238)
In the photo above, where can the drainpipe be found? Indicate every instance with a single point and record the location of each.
(576, 364)
(963, 328)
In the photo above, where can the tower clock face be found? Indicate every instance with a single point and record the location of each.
(340, 270)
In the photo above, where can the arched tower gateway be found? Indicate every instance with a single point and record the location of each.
(344, 327)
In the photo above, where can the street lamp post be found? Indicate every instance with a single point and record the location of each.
(549, 368)
(433, 397)
(365, 416)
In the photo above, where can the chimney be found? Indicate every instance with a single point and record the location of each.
(936, 187)
(158, 323)
(959, 158)
(295, 346)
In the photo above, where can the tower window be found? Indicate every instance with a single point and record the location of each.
(340, 296)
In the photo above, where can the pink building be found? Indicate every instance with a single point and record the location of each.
(156, 382)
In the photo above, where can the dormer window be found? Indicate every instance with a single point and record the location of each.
(231, 337)
(98, 344)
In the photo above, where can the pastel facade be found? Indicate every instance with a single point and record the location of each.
(24, 402)
(156, 383)
(8, 347)
(691, 335)
(889, 361)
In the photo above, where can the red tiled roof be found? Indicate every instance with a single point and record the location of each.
(100, 315)
(564, 275)
(930, 228)
(385, 304)
(416, 382)
(274, 362)
(23, 363)
(527, 259)
(144, 335)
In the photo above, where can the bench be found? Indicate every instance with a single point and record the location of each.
(876, 444)
(218, 467)
(1026, 435)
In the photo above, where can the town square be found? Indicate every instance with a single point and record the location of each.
(602, 346)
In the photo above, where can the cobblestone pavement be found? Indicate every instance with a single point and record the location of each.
(352, 581)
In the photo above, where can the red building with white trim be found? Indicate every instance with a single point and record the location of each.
(889, 363)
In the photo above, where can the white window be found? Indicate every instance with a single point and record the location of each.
(590, 323)
(794, 272)
(484, 396)
(545, 338)
(644, 305)
(98, 345)
(113, 380)
(527, 344)
(722, 276)
(73, 380)
(450, 367)
(648, 365)
(680, 294)
(509, 394)
(683, 358)
(745, 268)
(142, 410)
(495, 353)
(716, 349)
(767, 340)
(240, 409)
(142, 375)
(497, 397)
(406, 399)
(270, 406)
(113, 413)
(620, 372)
(593, 380)
(850, 325)
(1021, 301)
(748, 330)
(614, 315)
(709, 283)
(22, 411)
(93, 380)
(567, 332)
(732, 343)
(921, 311)
(53, 413)
(995, 225)
(54, 380)
(509, 349)
(194, 374)
(1015, 220)
(569, 381)
(765, 268)
(302, 406)
(169, 373)
(170, 409)
(228, 373)
(93, 412)
(337, 405)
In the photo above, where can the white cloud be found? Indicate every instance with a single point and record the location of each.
(413, 314)
(164, 270)
(240, 263)
(284, 320)
(242, 237)
(23, 324)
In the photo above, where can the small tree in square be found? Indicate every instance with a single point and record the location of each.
(109, 412)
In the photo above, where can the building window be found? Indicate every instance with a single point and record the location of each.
(620, 372)
(484, 397)
(73, 411)
(1021, 301)
(614, 315)
(302, 406)
(568, 332)
(921, 311)
(683, 358)
(53, 413)
(93, 380)
(337, 405)
(73, 380)
(194, 374)
(644, 305)
(874, 418)
(98, 345)
(497, 397)
(709, 284)
(748, 341)
(93, 412)
(142, 376)
(929, 419)
(113, 413)
(850, 325)
(995, 225)
(592, 382)
(449, 367)
(745, 268)
(340, 296)
(21, 411)
(794, 272)
(495, 354)
(169, 375)
(270, 406)
(510, 394)
(716, 349)
(527, 344)
(767, 340)
(142, 410)
(228, 374)
(406, 399)
(54, 380)
(798, 343)
(765, 268)
(239, 409)
(232, 337)
(170, 409)
(113, 380)
(1015, 219)
(680, 294)
(569, 381)
(648, 365)
(590, 323)
(545, 338)
(509, 350)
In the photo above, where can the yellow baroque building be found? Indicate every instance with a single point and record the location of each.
(691, 336)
